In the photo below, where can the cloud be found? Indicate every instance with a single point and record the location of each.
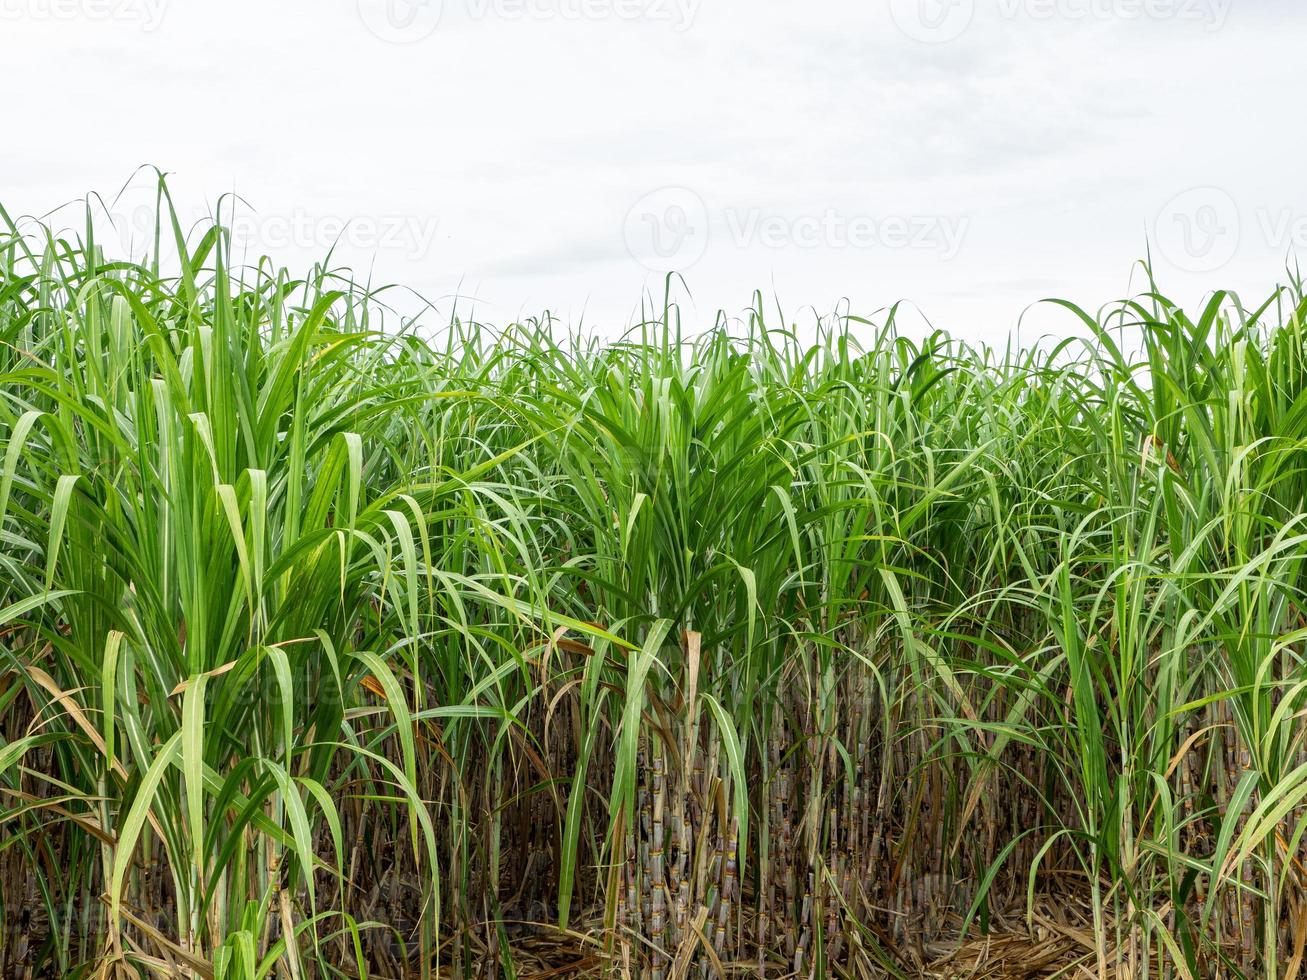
(1058, 139)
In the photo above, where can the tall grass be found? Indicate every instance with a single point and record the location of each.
(332, 649)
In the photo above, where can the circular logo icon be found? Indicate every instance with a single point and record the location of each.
(932, 21)
(400, 21)
(135, 228)
(1198, 230)
(125, 224)
(667, 230)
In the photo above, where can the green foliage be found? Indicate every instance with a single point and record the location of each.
(316, 634)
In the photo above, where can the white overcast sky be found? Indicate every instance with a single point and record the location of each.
(969, 156)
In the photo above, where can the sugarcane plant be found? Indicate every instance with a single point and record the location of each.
(333, 644)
